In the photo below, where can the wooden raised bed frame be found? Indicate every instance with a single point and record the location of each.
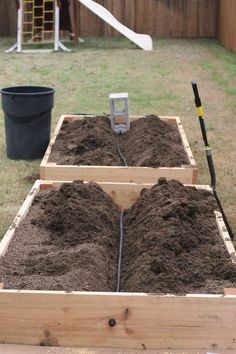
(143, 321)
(52, 171)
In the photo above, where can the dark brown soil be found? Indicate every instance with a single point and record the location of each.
(68, 241)
(89, 141)
(150, 142)
(172, 244)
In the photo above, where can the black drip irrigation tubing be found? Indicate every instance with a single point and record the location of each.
(117, 143)
(119, 267)
(120, 153)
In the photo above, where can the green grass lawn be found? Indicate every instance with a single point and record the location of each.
(158, 82)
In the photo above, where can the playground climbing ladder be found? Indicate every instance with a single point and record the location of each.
(38, 23)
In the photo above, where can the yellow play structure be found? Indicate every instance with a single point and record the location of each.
(38, 22)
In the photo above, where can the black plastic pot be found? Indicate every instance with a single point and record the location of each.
(27, 111)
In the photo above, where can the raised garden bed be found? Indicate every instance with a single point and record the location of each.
(86, 148)
(109, 319)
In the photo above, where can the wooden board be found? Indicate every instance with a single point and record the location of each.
(52, 171)
(19, 217)
(225, 236)
(143, 321)
(29, 349)
(226, 25)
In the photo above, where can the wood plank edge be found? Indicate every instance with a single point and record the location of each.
(225, 236)
(117, 295)
(185, 143)
(23, 211)
(144, 185)
(230, 291)
(195, 175)
(52, 141)
(73, 117)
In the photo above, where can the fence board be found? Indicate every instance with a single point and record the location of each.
(205, 26)
(163, 18)
(108, 30)
(90, 24)
(129, 18)
(226, 24)
(7, 18)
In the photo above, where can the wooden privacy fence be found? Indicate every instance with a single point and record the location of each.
(164, 18)
(227, 24)
(7, 18)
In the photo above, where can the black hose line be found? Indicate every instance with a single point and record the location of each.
(117, 143)
(120, 252)
(120, 153)
(119, 266)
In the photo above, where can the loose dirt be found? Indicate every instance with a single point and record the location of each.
(150, 142)
(69, 241)
(176, 247)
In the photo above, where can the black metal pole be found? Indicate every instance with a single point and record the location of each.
(207, 148)
(198, 104)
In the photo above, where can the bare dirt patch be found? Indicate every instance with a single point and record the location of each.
(150, 142)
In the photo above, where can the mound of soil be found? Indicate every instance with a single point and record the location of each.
(68, 241)
(89, 141)
(172, 244)
(150, 142)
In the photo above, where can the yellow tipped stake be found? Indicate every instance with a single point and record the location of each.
(209, 155)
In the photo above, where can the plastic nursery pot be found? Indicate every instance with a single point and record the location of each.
(27, 113)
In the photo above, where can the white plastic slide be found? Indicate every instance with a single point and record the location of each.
(142, 40)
